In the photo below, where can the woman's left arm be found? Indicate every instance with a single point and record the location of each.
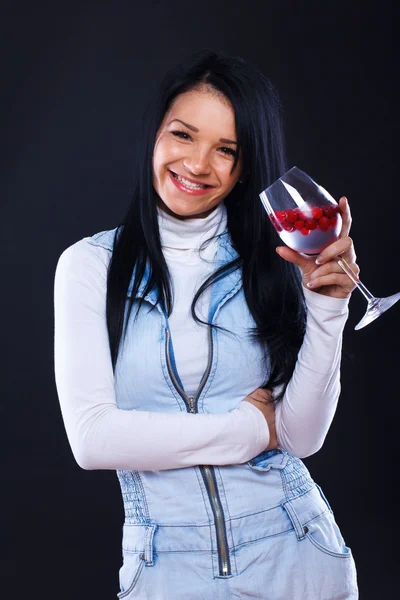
(306, 412)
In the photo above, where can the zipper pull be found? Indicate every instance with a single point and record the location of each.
(192, 404)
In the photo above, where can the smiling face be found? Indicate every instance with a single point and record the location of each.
(194, 154)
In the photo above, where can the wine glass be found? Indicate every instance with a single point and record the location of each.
(307, 219)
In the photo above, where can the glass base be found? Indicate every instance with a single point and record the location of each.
(377, 306)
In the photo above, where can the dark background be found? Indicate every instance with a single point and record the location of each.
(75, 81)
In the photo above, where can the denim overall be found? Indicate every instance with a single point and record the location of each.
(258, 530)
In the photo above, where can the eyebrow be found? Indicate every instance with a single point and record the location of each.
(192, 128)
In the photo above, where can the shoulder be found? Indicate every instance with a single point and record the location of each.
(103, 239)
(88, 256)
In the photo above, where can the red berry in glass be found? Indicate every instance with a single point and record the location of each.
(308, 229)
(317, 213)
(281, 215)
(311, 224)
(298, 224)
(291, 216)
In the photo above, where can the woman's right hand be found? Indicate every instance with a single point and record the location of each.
(262, 399)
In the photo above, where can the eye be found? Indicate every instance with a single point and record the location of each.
(181, 134)
(229, 151)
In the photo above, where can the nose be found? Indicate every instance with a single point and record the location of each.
(197, 162)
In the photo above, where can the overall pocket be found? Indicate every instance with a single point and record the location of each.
(269, 459)
(137, 552)
(325, 567)
(130, 572)
(324, 533)
(314, 522)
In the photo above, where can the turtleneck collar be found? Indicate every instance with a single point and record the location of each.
(184, 234)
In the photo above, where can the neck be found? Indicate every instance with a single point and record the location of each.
(190, 232)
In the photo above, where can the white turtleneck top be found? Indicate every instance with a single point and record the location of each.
(189, 256)
(103, 436)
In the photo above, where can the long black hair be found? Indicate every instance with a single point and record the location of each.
(272, 286)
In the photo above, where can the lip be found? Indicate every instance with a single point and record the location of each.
(192, 180)
(182, 188)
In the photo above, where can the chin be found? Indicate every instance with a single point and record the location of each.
(186, 212)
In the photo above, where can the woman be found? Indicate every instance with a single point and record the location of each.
(173, 330)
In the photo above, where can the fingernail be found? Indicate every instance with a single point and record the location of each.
(310, 284)
(319, 260)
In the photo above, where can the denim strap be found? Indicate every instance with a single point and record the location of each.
(298, 527)
(148, 545)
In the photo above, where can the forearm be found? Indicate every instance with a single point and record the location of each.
(111, 438)
(103, 436)
(306, 412)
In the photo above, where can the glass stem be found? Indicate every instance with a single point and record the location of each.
(347, 269)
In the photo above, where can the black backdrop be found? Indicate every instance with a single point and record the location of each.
(75, 80)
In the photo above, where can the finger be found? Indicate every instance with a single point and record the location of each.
(339, 279)
(294, 257)
(341, 247)
(332, 267)
(345, 213)
(261, 395)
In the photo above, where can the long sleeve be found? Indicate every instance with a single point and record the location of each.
(307, 409)
(103, 436)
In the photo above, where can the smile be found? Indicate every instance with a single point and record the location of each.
(187, 186)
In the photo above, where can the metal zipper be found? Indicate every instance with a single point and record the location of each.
(210, 482)
(207, 471)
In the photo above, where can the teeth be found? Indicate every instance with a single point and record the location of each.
(189, 184)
